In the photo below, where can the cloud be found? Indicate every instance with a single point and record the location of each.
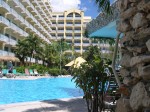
(84, 8)
(62, 5)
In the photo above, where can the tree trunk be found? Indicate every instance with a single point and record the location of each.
(134, 23)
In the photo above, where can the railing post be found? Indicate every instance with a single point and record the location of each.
(114, 60)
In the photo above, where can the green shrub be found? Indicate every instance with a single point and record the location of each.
(54, 71)
(20, 69)
(65, 72)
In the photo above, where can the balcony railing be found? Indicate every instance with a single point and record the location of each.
(60, 31)
(6, 53)
(69, 31)
(77, 37)
(12, 26)
(30, 15)
(68, 18)
(21, 19)
(69, 24)
(60, 25)
(77, 31)
(77, 17)
(77, 24)
(5, 5)
(7, 40)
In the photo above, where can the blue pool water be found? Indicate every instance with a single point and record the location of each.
(13, 91)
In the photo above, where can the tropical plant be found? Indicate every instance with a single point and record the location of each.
(92, 77)
(104, 6)
(21, 51)
(33, 44)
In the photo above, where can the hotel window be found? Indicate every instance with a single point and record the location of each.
(61, 16)
(70, 15)
(77, 15)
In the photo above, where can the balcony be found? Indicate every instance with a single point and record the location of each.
(69, 18)
(86, 44)
(4, 21)
(61, 18)
(68, 38)
(77, 44)
(6, 53)
(69, 25)
(77, 38)
(77, 18)
(4, 38)
(29, 16)
(60, 25)
(77, 31)
(60, 31)
(69, 31)
(4, 6)
(15, 28)
(77, 25)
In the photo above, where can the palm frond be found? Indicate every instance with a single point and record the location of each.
(104, 6)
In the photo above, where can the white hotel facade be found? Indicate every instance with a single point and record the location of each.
(19, 18)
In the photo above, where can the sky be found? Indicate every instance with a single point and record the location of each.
(88, 6)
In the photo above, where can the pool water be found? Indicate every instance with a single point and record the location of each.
(14, 91)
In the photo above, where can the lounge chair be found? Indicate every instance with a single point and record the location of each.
(31, 72)
(4, 72)
(27, 72)
(35, 72)
(15, 72)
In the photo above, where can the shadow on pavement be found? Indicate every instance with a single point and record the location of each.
(72, 105)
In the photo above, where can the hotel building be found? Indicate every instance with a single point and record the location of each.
(70, 25)
(19, 18)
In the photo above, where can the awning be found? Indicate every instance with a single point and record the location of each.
(9, 58)
(108, 31)
(76, 63)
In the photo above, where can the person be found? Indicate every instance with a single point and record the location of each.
(1, 74)
(0, 70)
(10, 67)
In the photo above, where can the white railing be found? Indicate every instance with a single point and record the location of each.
(77, 31)
(77, 25)
(2, 3)
(6, 53)
(7, 40)
(77, 17)
(86, 44)
(77, 44)
(69, 24)
(20, 18)
(77, 37)
(4, 38)
(69, 31)
(4, 21)
(60, 31)
(60, 25)
(30, 15)
(69, 18)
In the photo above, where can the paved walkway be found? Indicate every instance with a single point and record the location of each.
(61, 105)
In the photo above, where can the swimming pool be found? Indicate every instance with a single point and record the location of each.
(14, 91)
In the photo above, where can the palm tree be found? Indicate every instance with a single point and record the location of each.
(33, 44)
(21, 51)
(104, 5)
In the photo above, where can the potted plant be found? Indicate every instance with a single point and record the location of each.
(92, 77)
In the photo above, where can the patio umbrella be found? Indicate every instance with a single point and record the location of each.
(76, 63)
(109, 31)
(9, 58)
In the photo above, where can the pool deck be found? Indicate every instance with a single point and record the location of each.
(32, 77)
(60, 105)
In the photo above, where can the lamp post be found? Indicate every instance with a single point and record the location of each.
(61, 40)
